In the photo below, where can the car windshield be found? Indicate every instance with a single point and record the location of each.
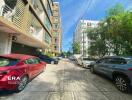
(7, 62)
(129, 61)
(89, 59)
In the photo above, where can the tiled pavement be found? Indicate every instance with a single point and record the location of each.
(67, 81)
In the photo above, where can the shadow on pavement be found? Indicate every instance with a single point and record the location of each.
(5, 92)
(81, 81)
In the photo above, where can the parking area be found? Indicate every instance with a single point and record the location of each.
(67, 81)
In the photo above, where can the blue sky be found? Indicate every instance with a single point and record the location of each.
(72, 10)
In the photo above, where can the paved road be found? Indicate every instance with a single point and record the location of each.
(67, 81)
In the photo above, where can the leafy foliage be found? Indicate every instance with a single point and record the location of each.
(114, 34)
(76, 48)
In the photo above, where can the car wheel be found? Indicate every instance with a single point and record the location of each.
(122, 83)
(22, 84)
(92, 70)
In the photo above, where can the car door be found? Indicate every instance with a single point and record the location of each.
(99, 65)
(108, 66)
(31, 67)
(38, 65)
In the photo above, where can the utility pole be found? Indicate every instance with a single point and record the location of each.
(83, 43)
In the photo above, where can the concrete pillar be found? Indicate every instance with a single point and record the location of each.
(5, 43)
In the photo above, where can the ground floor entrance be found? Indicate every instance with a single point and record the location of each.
(23, 49)
(8, 45)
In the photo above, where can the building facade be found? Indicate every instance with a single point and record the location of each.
(26, 26)
(57, 30)
(80, 35)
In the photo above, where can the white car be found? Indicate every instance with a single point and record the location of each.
(80, 61)
(86, 62)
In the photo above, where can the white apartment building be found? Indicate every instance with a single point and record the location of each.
(80, 34)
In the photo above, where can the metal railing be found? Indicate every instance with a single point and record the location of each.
(14, 15)
(7, 12)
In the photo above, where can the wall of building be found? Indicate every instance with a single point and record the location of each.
(57, 30)
(5, 43)
(80, 34)
(32, 21)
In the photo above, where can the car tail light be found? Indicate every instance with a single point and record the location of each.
(130, 69)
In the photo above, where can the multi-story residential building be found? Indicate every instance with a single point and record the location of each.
(80, 35)
(25, 26)
(57, 30)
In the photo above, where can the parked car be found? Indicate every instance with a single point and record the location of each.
(87, 62)
(79, 61)
(72, 58)
(48, 59)
(17, 70)
(57, 58)
(119, 69)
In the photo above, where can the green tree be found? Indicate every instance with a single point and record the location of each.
(119, 29)
(113, 34)
(115, 10)
(76, 48)
(98, 45)
(68, 53)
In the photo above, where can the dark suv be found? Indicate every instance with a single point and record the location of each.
(118, 69)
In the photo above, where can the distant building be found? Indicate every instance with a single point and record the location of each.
(80, 34)
(26, 26)
(57, 29)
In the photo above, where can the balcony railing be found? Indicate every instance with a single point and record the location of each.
(7, 12)
(34, 28)
(38, 8)
(14, 15)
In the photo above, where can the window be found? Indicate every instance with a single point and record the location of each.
(55, 26)
(55, 33)
(47, 38)
(89, 24)
(55, 47)
(47, 23)
(36, 60)
(115, 61)
(49, 10)
(56, 19)
(8, 62)
(101, 60)
(33, 61)
(120, 61)
(29, 61)
(129, 61)
(55, 13)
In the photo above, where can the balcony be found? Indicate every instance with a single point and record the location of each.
(55, 13)
(38, 8)
(47, 24)
(34, 28)
(14, 15)
(27, 29)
